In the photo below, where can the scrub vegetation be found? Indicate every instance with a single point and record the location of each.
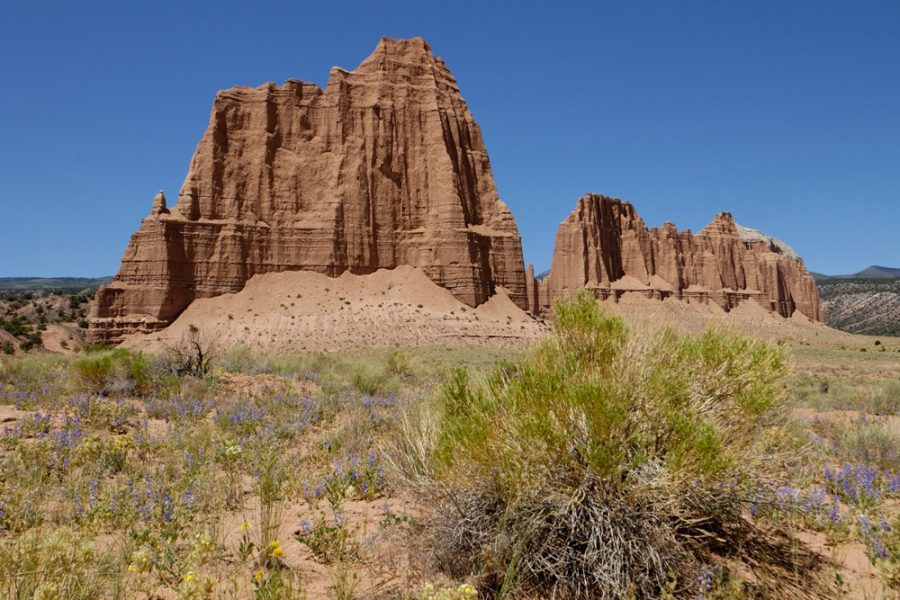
(605, 462)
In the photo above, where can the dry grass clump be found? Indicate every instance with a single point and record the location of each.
(606, 464)
(859, 394)
(60, 564)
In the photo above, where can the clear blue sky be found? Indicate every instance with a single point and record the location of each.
(785, 113)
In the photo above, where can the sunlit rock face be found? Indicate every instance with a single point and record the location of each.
(384, 167)
(606, 247)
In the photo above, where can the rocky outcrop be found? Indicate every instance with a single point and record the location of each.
(867, 305)
(605, 246)
(384, 167)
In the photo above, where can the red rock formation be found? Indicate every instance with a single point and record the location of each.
(384, 167)
(606, 247)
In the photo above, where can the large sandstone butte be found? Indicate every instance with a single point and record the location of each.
(384, 167)
(605, 246)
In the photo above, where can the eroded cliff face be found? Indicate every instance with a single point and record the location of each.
(606, 247)
(384, 167)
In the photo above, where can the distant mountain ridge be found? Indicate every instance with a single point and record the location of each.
(881, 272)
(873, 272)
(51, 283)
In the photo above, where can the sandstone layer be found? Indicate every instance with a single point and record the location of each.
(605, 246)
(384, 167)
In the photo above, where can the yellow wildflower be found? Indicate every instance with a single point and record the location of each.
(277, 552)
(245, 526)
(140, 562)
(189, 576)
(259, 576)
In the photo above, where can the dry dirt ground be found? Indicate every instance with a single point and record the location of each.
(304, 311)
(61, 337)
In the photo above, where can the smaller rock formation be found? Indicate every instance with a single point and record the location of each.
(605, 246)
(159, 205)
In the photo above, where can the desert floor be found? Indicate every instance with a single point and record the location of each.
(270, 474)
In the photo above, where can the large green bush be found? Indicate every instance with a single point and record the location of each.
(605, 463)
(117, 371)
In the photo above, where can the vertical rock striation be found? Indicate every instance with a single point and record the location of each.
(384, 167)
(606, 247)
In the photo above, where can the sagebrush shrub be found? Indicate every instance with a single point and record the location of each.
(399, 363)
(604, 463)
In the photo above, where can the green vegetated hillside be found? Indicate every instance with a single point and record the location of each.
(27, 316)
(51, 283)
